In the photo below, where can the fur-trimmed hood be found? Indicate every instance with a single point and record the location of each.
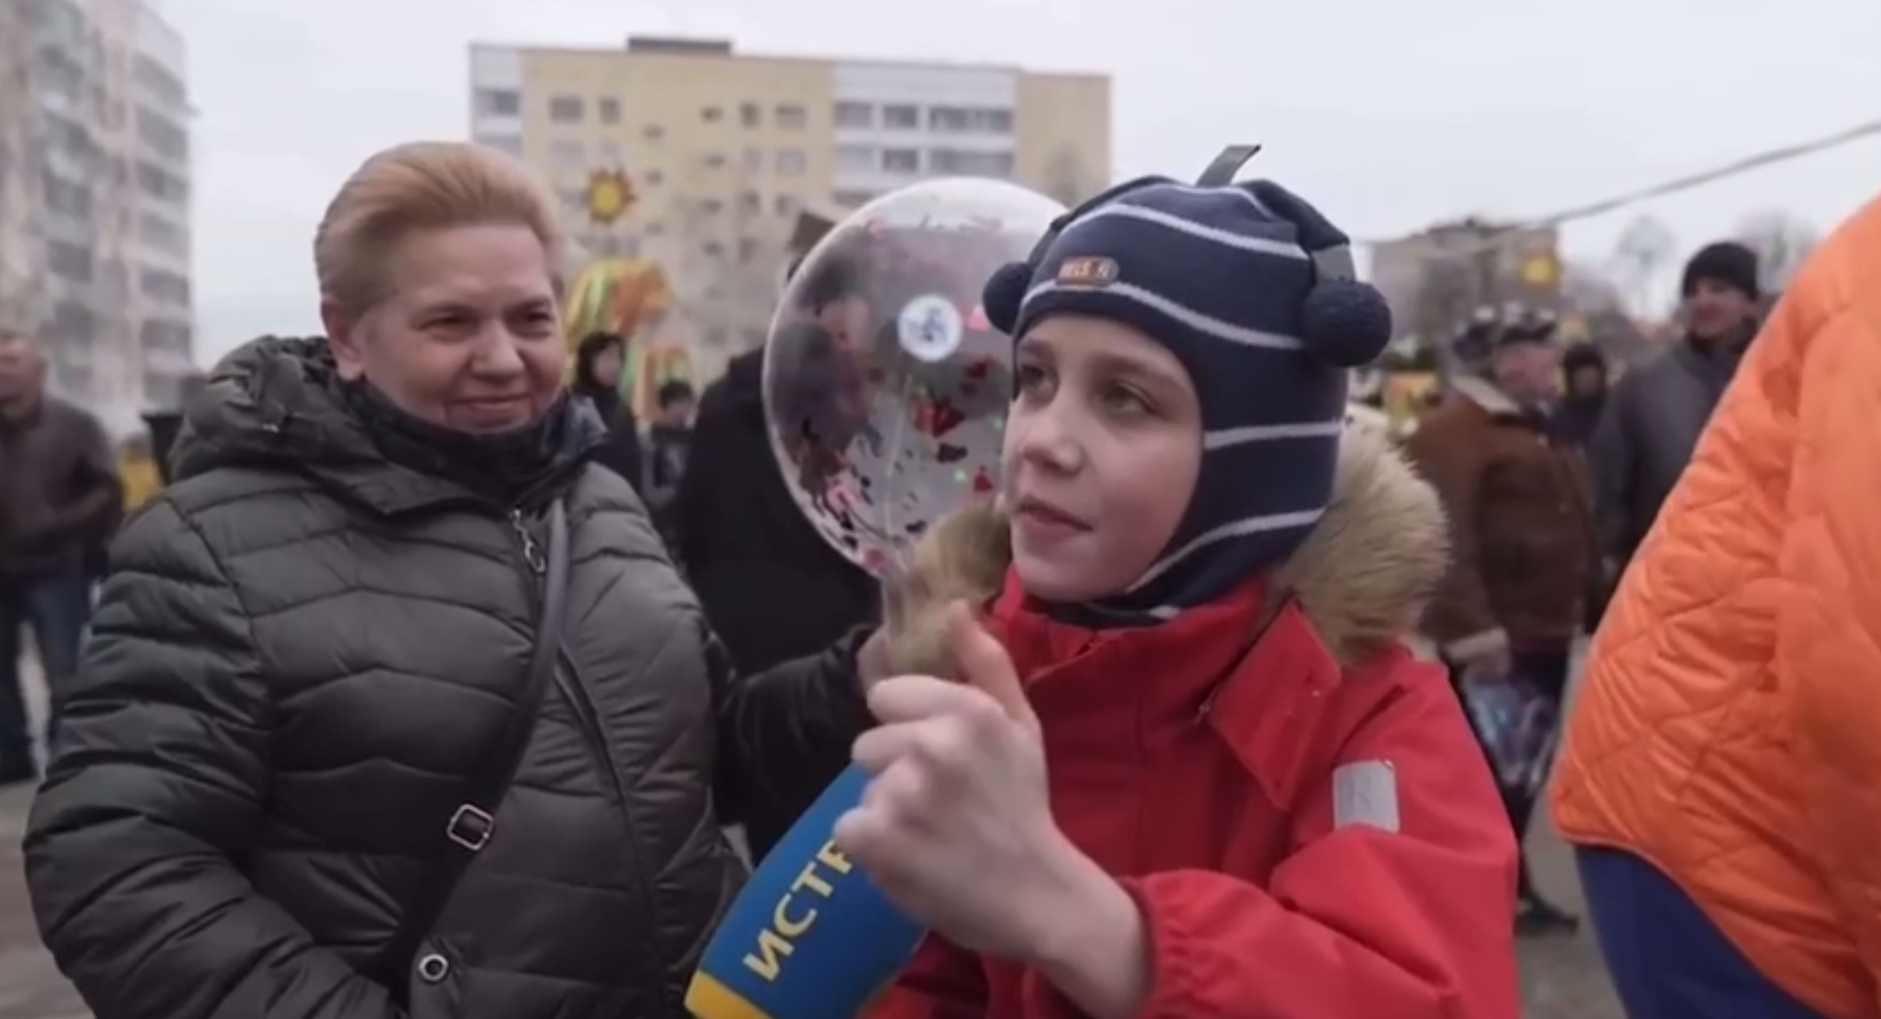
(1362, 577)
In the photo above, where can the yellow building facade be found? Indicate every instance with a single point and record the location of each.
(721, 150)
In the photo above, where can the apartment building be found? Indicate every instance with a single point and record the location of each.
(94, 198)
(722, 149)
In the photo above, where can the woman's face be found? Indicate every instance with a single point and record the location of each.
(1102, 451)
(468, 337)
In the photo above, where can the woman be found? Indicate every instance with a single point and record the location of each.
(1718, 776)
(598, 361)
(318, 763)
(1203, 776)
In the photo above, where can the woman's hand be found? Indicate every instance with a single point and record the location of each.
(956, 825)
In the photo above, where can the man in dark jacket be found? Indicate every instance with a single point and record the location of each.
(771, 586)
(59, 503)
(598, 362)
(306, 657)
(669, 446)
(1651, 423)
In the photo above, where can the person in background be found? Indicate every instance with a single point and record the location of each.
(599, 358)
(669, 441)
(60, 502)
(1521, 529)
(394, 705)
(772, 587)
(1651, 424)
(1584, 370)
(1718, 776)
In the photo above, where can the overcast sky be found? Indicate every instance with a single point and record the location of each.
(1387, 114)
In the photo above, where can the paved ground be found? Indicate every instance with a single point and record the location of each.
(1563, 976)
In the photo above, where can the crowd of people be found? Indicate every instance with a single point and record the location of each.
(428, 679)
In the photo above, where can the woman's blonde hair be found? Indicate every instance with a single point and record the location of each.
(423, 186)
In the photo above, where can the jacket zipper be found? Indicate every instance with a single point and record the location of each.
(588, 721)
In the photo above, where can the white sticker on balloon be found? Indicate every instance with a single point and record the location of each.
(930, 328)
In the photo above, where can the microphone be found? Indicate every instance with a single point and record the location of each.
(810, 937)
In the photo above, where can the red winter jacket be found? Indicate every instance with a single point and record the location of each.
(1307, 840)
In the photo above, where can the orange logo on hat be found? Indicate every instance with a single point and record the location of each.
(1088, 271)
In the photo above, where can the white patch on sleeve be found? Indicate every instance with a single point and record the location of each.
(1365, 792)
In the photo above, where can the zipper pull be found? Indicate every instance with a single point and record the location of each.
(532, 553)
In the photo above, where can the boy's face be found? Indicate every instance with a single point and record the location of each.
(1102, 451)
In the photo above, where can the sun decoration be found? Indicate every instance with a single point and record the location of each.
(610, 196)
(1540, 270)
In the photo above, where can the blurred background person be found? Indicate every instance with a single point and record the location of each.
(1523, 545)
(356, 736)
(1649, 427)
(669, 443)
(60, 503)
(598, 361)
(772, 587)
(1584, 374)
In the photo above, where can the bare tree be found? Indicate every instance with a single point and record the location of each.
(1782, 241)
(1645, 250)
(1586, 289)
(1067, 180)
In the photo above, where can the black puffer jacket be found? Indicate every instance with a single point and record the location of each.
(301, 654)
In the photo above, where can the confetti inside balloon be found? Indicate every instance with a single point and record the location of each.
(884, 385)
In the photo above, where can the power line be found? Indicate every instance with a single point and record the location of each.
(1492, 236)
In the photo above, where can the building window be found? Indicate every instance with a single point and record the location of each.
(901, 117)
(607, 111)
(713, 250)
(162, 134)
(857, 158)
(747, 250)
(655, 229)
(163, 286)
(749, 115)
(791, 116)
(568, 155)
(566, 109)
(715, 160)
(855, 115)
(970, 163)
(503, 102)
(750, 203)
(754, 160)
(969, 120)
(652, 132)
(609, 154)
(711, 207)
(70, 262)
(854, 199)
(785, 205)
(653, 178)
(712, 114)
(901, 160)
(792, 162)
(156, 182)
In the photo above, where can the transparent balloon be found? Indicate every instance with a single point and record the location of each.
(885, 387)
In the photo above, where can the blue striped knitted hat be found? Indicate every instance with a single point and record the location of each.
(1253, 291)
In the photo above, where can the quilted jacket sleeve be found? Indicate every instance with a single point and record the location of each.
(157, 788)
(785, 733)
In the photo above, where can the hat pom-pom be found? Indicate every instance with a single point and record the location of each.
(1345, 322)
(1004, 293)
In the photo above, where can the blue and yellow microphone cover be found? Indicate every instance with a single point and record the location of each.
(810, 937)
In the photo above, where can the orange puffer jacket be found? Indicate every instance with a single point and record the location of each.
(1730, 728)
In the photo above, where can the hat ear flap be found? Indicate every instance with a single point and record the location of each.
(1003, 295)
